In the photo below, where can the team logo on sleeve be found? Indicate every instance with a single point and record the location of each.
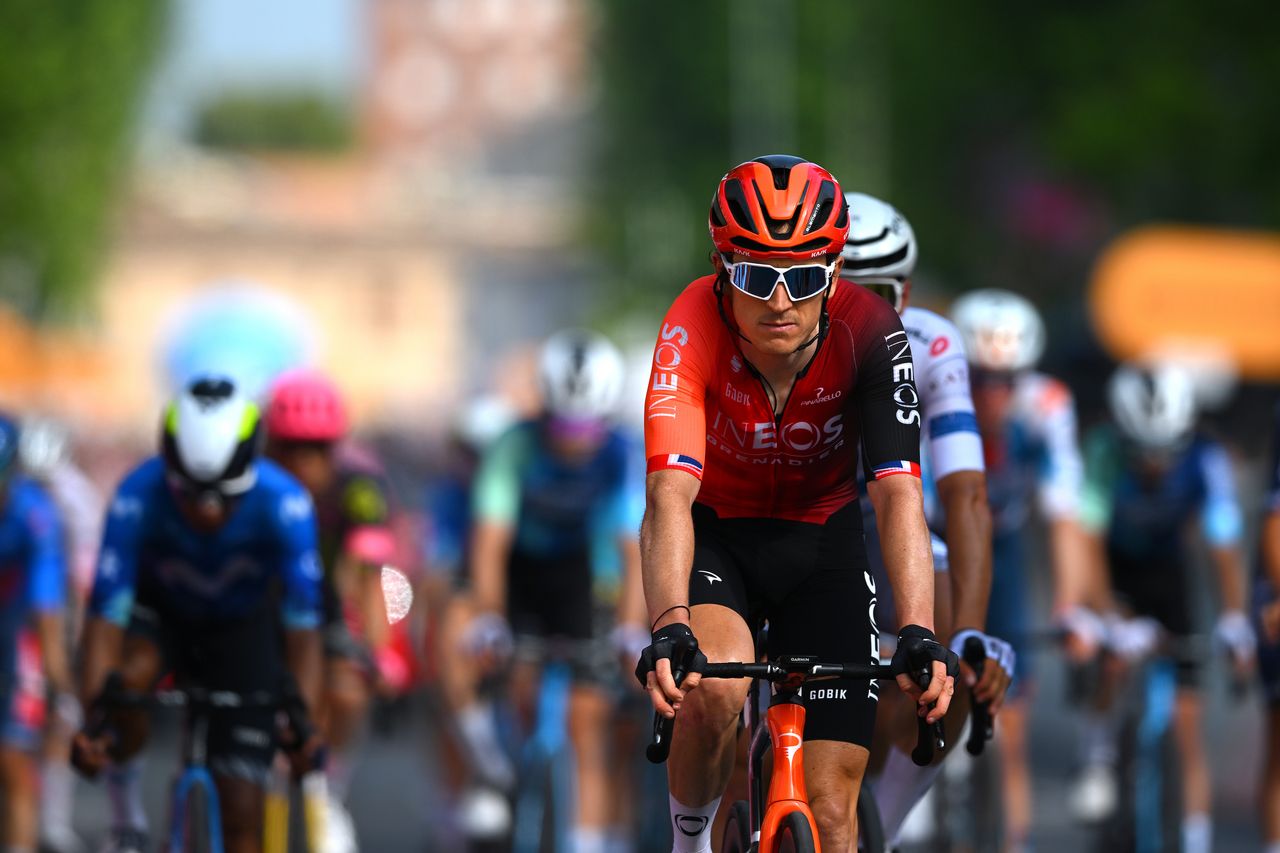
(904, 391)
(295, 508)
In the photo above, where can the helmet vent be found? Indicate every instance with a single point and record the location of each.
(210, 390)
(738, 208)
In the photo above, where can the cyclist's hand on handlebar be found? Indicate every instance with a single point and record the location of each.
(917, 650)
(1084, 633)
(997, 672)
(1234, 633)
(673, 647)
(488, 638)
(90, 753)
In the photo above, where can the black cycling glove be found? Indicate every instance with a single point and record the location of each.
(676, 643)
(917, 649)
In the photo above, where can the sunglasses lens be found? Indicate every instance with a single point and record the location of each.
(759, 281)
(755, 280)
(804, 282)
(885, 291)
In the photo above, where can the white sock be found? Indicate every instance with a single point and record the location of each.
(584, 840)
(57, 788)
(480, 733)
(691, 827)
(124, 789)
(900, 787)
(338, 772)
(1097, 745)
(1197, 833)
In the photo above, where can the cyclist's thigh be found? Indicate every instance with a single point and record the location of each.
(1156, 586)
(829, 613)
(724, 605)
(241, 805)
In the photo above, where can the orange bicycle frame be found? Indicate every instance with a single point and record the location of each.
(784, 733)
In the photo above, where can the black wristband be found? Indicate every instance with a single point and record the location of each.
(654, 626)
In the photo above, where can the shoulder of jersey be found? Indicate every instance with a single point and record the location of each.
(852, 304)
(936, 333)
(146, 475)
(26, 493)
(274, 479)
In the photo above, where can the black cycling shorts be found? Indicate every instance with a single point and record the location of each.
(240, 655)
(810, 581)
(550, 597)
(1158, 587)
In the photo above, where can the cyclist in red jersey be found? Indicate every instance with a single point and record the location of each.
(767, 378)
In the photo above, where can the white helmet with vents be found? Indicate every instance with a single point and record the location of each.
(880, 250)
(1002, 331)
(1153, 405)
(581, 374)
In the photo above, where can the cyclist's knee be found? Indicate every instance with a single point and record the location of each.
(714, 705)
(833, 812)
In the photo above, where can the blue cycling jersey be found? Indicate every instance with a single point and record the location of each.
(559, 509)
(1144, 511)
(32, 564)
(269, 536)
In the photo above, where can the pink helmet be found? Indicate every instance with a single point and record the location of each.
(306, 406)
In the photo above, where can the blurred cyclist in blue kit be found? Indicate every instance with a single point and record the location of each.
(209, 569)
(33, 657)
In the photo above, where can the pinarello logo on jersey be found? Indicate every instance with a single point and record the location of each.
(820, 397)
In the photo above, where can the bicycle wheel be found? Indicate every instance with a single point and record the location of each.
(870, 829)
(795, 835)
(737, 829)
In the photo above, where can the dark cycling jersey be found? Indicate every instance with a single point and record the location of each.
(1145, 514)
(269, 536)
(560, 509)
(707, 411)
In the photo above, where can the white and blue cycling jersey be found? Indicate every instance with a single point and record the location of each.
(32, 567)
(949, 439)
(269, 538)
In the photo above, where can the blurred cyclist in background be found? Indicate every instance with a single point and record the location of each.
(1266, 600)
(45, 455)
(1151, 478)
(1028, 426)
(208, 551)
(306, 419)
(552, 497)
(475, 426)
(32, 643)
(880, 254)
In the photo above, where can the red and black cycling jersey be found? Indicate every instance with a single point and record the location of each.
(707, 411)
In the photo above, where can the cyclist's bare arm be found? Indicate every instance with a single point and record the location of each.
(305, 654)
(53, 650)
(666, 558)
(1228, 562)
(490, 550)
(1079, 577)
(101, 645)
(1271, 564)
(968, 535)
(908, 560)
(631, 609)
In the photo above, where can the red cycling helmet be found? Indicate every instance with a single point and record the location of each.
(306, 406)
(779, 206)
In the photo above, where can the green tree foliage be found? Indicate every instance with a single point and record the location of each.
(275, 121)
(1018, 138)
(71, 75)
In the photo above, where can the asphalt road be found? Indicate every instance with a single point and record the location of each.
(397, 803)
